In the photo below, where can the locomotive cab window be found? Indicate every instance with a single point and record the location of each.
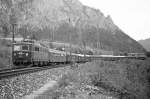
(25, 47)
(36, 49)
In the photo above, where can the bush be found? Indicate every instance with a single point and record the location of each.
(124, 79)
(148, 53)
(5, 54)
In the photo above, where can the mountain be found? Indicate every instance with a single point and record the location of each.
(70, 21)
(145, 43)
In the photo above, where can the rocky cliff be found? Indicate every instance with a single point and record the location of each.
(70, 21)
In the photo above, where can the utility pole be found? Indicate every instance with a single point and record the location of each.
(13, 33)
(71, 58)
(13, 38)
(13, 23)
(70, 38)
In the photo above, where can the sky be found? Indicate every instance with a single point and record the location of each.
(131, 16)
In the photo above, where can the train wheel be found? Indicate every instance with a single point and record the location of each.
(32, 64)
(35, 63)
(49, 63)
(44, 63)
(16, 64)
(40, 64)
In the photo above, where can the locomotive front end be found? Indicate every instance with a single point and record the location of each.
(22, 53)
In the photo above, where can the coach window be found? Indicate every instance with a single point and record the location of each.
(36, 49)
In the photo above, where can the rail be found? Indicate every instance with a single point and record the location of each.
(16, 72)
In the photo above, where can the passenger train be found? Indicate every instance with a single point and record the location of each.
(30, 52)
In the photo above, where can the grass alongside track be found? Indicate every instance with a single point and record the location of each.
(127, 79)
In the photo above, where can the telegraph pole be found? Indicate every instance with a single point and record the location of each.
(70, 38)
(71, 58)
(13, 20)
(13, 38)
(13, 33)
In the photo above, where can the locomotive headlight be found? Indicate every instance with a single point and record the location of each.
(14, 54)
(27, 54)
(20, 53)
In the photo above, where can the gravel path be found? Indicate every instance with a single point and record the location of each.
(22, 85)
(41, 91)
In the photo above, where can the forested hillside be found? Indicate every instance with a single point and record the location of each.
(64, 20)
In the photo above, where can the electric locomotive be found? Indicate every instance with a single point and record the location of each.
(22, 52)
(29, 52)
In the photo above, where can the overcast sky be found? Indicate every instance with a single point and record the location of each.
(132, 16)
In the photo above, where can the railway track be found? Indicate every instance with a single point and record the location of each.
(1, 70)
(16, 72)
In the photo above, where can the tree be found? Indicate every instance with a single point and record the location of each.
(148, 53)
(4, 16)
(8, 16)
(34, 37)
(5, 30)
